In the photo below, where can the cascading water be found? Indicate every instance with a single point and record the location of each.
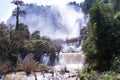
(71, 61)
(71, 58)
(56, 21)
(45, 59)
(60, 22)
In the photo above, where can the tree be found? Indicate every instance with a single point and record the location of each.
(18, 12)
(102, 43)
(11, 40)
(12, 43)
(24, 28)
(87, 5)
(116, 4)
(44, 47)
(35, 35)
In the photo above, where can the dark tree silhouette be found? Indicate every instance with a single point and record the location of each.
(18, 12)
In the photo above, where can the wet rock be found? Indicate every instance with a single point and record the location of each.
(42, 76)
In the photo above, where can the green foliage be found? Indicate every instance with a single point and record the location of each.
(44, 47)
(102, 44)
(11, 41)
(94, 75)
(117, 16)
(16, 44)
(18, 12)
(116, 4)
(86, 74)
(110, 76)
(35, 35)
(24, 28)
(116, 64)
(87, 5)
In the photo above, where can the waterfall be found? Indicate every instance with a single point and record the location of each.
(45, 59)
(67, 21)
(71, 61)
(71, 58)
(57, 22)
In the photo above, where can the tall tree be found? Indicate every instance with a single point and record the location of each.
(102, 43)
(18, 12)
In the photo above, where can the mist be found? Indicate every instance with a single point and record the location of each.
(54, 21)
(52, 2)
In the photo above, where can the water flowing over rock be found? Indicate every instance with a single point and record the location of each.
(45, 59)
(46, 76)
(72, 60)
(64, 70)
(57, 22)
(53, 20)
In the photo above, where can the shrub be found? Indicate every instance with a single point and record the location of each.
(89, 74)
(28, 66)
(5, 67)
(110, 76)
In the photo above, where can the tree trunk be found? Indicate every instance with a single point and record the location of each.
(17, 18)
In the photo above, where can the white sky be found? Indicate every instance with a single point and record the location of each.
(6, 7)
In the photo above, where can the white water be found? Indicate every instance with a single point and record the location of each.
(71, 61)
(75, 20)
(40, 76)
(45, 59)
(67, 24)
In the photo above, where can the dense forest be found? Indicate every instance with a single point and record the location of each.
(102, 45)
(103, 38)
